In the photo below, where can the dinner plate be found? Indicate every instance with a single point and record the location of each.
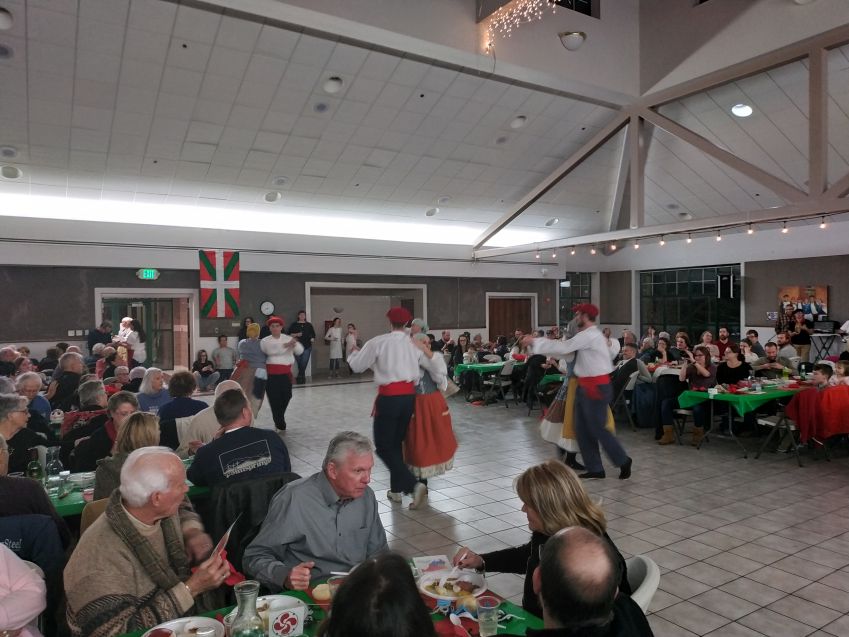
(183, 627)
(434, 576)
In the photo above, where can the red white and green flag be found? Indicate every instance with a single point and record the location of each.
(219, 283)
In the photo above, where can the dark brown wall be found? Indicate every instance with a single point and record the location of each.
(763, 278)
(42, 303)
(615, 296)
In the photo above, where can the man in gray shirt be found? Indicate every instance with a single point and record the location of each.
(326, 522)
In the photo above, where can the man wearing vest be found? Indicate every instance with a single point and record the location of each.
(395, 359)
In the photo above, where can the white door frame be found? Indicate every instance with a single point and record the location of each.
(514, 295)
(310, 285)
(153, 293)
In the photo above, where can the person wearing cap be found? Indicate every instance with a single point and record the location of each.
(592, 367)
(280, 350)
(396, 360)
(250, 370)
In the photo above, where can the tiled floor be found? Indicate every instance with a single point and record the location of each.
(746, 547)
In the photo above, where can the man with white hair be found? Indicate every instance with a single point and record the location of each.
(131, 569)
(326, 522)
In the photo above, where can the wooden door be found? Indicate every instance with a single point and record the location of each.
(507, 315)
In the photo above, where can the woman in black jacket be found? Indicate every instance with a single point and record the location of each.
(553, 498)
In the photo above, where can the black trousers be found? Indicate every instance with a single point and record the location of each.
(278, 387)
(391, 418)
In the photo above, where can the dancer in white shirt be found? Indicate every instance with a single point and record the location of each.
(395, 359)
(592, 367)
(280, 350)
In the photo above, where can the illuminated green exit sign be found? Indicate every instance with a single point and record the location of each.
(147, 274)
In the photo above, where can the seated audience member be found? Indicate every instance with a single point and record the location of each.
(100, 336)
(553, 497)
(8, 355)
(122, 376)
(772, 365)
(107, 353)
(723, 342)
(23, 496)
(139, 430)
(50, 360)
(181, 387)
(700, 373)
(577, 583)
(613, 344)
(23, 596)
(99, 444)
(800, 334)
(746, 352)
(326, 522)
(733, 369)
(444, 344)
(240, 451)
(500, 348)
(707, 341)
(821, 375)
(204, 426)
(379, 599)
(664, 354)
(841, 373)
(204, 371)
(752, 338)
(629, 364)
(28, 385)
(22, 366)
(682, 347)
(131, 569)
(647, 350)
(785, 349)
(111, 364)
(62, 392)
(136, 378)
(627, 337)
(95, 355)
(13, 427)
(153, 394)
(224, 358)
(92, 399)
(459, 352)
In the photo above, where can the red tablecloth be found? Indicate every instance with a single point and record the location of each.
(820, 414)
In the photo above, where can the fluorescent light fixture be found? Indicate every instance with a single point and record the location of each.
(741, 110)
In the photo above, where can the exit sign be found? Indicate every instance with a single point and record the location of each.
(147, 274)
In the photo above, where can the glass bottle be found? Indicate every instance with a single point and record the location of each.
(247, 623)
(53, 470)
(34, 469)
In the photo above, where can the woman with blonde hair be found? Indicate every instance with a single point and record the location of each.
(141, 429)
(553, 498)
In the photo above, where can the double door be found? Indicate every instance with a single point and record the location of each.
(165, 322)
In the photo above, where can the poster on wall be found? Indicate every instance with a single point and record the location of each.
(811, 299)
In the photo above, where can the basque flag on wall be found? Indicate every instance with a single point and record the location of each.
(219, 283)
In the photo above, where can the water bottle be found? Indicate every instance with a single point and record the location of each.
(54, 472)
(34, 469)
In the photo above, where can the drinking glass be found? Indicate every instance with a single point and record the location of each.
(488, 615)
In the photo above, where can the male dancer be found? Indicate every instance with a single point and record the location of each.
(592, 367)
(280, 350)
(395, 359)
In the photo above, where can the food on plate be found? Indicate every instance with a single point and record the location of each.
(454, 587)
(161, 632)
(468, 601)
(321, 593)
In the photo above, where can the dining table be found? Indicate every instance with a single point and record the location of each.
(483, 368)
(520, 621)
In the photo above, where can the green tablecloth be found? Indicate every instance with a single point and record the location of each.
(743, 403)
(551, 378)
(482, 368)
(514, 626)
(73, 503)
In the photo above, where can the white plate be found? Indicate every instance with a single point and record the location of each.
(434, 576)
(182, 625)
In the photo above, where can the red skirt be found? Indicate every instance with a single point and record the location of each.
(430, 444)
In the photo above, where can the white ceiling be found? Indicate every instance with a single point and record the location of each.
(153, 101)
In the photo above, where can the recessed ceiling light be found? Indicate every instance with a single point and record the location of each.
(6, 20)
(431, 212)
(551, 222)
(8, 152)
(572, 40)
(444, 199)
(333, 84)
(741, 110)
(685, 216)
(273, 196)
(280, 181)
(320, 107)
(6, 52)
(501, 140)
(10, 172)
(518, 121)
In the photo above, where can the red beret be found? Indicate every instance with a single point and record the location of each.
(275, 319)
(399, 315)
(586, 308)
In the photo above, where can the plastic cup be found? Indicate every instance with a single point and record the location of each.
(488, 615)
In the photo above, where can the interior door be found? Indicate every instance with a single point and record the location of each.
(507, 315)
(165, 323)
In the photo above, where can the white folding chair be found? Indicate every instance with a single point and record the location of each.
(501, 382)
(492, 358)
(782, 426)
(623, 400)
(644, 578)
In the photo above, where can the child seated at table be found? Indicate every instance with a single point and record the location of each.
(821, 375)
(841, 374)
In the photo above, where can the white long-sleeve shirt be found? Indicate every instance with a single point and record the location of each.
(23, 595)
(276, 353)
(593, 357)
(393, 358)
